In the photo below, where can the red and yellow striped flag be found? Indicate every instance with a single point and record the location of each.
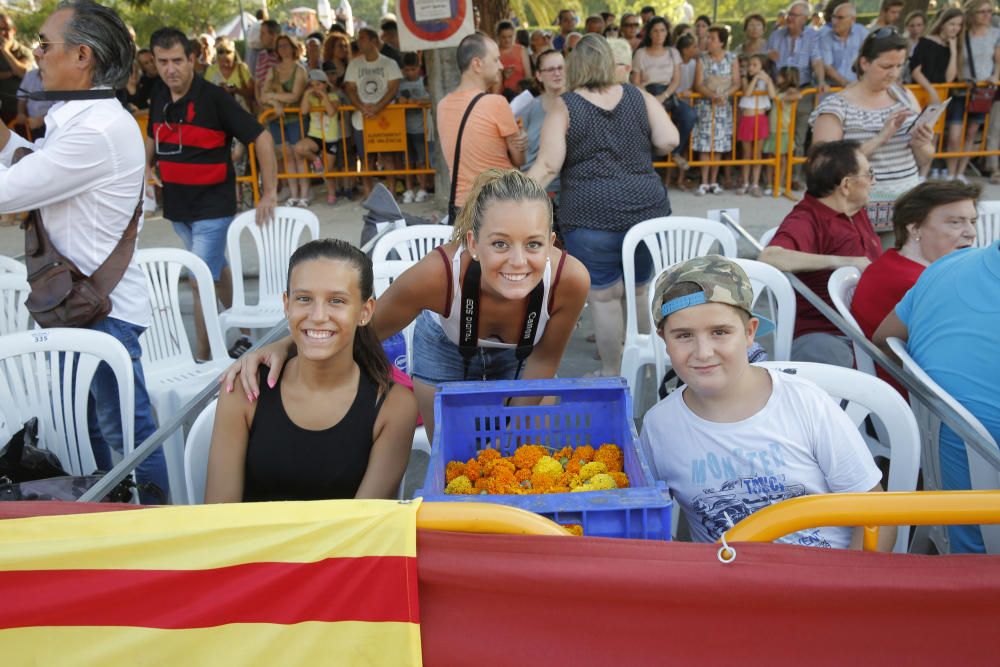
(298, 583)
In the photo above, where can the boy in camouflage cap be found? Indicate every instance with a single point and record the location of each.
(736, 437)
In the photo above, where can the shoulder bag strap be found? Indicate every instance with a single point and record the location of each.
(110, 272)
(972, 62)
(458, 153)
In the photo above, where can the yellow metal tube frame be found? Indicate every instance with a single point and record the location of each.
(871, 510)
(485, 518)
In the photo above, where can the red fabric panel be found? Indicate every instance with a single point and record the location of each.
(180, 134)
(527, 600)
(359, 589)
(28, 508)
(190, 173)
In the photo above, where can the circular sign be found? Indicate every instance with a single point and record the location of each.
(437, 30)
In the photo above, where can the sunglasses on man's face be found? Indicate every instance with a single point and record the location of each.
(222, 51)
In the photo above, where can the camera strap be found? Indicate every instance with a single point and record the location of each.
(468, 332)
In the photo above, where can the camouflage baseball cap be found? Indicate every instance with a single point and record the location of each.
(721, 281)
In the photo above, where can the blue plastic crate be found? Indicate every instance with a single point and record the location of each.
(470, 416)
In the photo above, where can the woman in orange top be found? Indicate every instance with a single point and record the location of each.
(513, 57)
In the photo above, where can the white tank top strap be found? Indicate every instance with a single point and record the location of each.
(450, 324)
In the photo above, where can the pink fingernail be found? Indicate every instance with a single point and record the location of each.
(229, 388)
(270, 383)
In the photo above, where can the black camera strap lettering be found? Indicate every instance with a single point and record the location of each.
(468, 329)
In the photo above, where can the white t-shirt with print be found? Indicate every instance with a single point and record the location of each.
(372, 79)
(800, 443)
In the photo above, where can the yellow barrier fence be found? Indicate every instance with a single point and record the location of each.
(871, 510)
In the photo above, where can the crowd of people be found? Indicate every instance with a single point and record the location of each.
(539, 211)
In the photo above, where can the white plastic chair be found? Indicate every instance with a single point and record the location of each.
(275, 243)
(199, 442)
(866, 394)
(173, 377)
(11, 265)
(988, 223)
(47, 374)
(766, 237)
(982, 474)
(670, 240)
(765, 280)
(14, 315)
(841, 286)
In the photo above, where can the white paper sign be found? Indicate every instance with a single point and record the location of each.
(431, 10)
(521, 103)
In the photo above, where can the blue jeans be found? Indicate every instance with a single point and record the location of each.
(207, 239)
(437, 359)
(601, 253)
(104, 413)
(684, 118)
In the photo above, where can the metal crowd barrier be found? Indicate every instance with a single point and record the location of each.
(909, 381)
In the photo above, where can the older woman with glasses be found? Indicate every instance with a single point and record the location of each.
(879, 113)
(231, 74)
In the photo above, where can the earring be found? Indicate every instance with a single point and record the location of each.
(475, 259)
(916, 238)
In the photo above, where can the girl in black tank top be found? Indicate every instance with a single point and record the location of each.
(320, 431)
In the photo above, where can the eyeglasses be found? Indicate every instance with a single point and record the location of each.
(557, 68)
(223, 51)
(179, 129)
(984, 11)
(43, 44)
(870, 175)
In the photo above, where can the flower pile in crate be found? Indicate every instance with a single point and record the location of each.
(534, 469)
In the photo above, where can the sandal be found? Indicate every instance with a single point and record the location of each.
(331, 198)
(755, 191)
(239, 348)
(702, 190)
(715, 189)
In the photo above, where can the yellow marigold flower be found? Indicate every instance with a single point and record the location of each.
(548, 466)
(610, 456)
(601, 482)
(526, 456)
(487, 455)
(542, 482)
(459, 486)
(621, 479)
(584, 453)
(591, 469)
(575, 482)
(473, 470)
(453, 470)
(574, 529)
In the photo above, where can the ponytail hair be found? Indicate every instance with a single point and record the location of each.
(495, 185)
(367, 349)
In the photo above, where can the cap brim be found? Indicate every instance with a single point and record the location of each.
(765, 326)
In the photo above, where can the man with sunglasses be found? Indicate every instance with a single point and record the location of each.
(192, 124)
(630, 30)
(85, 179)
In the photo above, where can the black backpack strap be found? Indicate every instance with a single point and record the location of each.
(458, 153)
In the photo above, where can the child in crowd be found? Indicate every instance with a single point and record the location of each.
(321, 147)
(333, 425)
(753, 127)
(786, 92)
(738, 437)
(411, 89)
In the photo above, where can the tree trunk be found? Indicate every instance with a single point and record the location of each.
(491, 11)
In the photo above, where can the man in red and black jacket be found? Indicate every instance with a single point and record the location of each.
(192, 124)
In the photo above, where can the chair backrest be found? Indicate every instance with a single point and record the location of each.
(861, 395)
(411, 243)
(983, 475)
(199, 442)
(766, 280)
(275, 242)
(766, 237)
(670, 240)
(14, 315)
(47, 374)
(841, 286)
(165, 342)
(11, 265)
(988, 223)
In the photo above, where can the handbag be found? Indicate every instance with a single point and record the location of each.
(980, 98)
(61, 294)
(655, 89)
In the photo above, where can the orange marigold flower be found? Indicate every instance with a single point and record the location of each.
(453, 469)
(564, 479)
(502, 475)
(481, 484)
(574, 466)
(621, 479)
(559, 489)
(491, 467)
(564, 453)
(574, 529)
(522, 475)
(527, 456)
(487, 455)
(610, 456)
(542, 482)
(584, 453)
(473, 470)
